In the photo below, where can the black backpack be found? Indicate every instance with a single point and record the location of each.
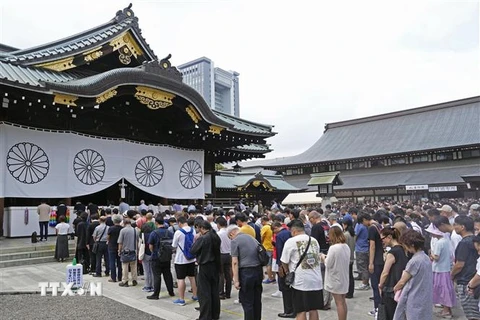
(34, 237)
(165, 249)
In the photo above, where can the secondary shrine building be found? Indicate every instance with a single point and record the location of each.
(80, 114)
(431, 151)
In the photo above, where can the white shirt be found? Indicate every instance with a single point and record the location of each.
(179, 240)
(308, 276)
(62, 228)
(226, 243)
(336, 268)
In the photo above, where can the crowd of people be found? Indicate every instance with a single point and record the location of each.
(413, 256)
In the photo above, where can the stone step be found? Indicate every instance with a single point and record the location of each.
(31, 254)
(27, 246)
(31, 261)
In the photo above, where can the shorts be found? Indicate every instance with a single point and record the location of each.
(362, 265)
(270, 254)
(468, 302)
(304, 301)
(185, 270)
(274, 265)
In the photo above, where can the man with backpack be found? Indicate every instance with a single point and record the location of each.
(160, 245)
(184, 260)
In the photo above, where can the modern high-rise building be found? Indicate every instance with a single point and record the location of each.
(217, 86)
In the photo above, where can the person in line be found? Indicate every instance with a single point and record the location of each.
(247, 272)
(267, 236)
(336, 270)
(100, 236)
(442, 256)
(61, 247)
(128, 242)
(184, 267)
(225, 281)
(113, 258)
(395, 263)
(362, 249)
(281, 237)
(43, 211)
(375, 257)
(416, 297)
(350, 241)
(307, 286)
(161, 260)
(147, 227)
(464, 268)
(207, 251)
(94, 223)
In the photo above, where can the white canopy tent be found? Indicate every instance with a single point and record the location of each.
(302, 198)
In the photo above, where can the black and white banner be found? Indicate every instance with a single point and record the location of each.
(44, 164)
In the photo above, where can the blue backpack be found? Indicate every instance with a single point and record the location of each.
(188, 244)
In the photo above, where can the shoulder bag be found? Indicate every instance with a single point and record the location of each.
(95, 244)
(130, 255)
(290, 277)
(141, 250)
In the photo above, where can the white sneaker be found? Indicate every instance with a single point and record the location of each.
(373, 313)
(363, 287)
(236, 301)
(277, 294)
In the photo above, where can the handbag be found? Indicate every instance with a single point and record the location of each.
(262, 254)
(290, 277)
(128, 255)
(96, 244)
(141, 250)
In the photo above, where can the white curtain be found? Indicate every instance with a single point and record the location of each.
(52, 164)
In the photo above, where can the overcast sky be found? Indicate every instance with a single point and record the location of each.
(302, 64)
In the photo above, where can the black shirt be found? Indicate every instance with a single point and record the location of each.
(207, 248)
(466, 252)
(113, 232)
(374, 234)
(319, 233)
(401, 260)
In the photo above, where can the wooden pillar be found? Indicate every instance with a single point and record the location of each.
(374, 197)
(2, 205)
(398, 195)
(68, 202)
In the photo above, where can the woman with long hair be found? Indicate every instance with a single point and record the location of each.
(395, 263)
(416, 284)
(349, 234)
(336, 270)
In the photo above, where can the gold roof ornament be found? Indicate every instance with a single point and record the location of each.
(106, 95)
(65, 99)
(58, 65)
(215, 129)
(154, 98)
(192, 112)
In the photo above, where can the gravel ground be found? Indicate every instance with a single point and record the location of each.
(34, 306)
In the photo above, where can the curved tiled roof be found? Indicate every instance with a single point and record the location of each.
(30, 76)
(233, 180)
(440, 126)
(244, 125)
(84, 41)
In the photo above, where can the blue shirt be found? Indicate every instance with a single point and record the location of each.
(361, 245)
(280, 240)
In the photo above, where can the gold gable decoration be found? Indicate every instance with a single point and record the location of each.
(127, 47)
(65, 99)
(106, 95)
(58, 65)
(153, 98)
(215, 129)
(192, 112)
(92, 55)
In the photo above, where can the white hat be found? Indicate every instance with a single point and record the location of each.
(433, 230)
(446, 208)
(475, 206)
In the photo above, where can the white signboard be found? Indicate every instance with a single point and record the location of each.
(417, 187)
(442, 189)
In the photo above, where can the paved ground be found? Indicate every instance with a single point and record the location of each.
(26, 279)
